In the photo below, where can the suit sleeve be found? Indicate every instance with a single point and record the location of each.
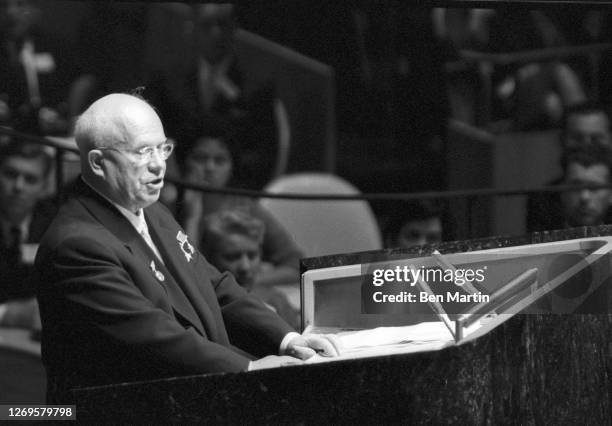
(251, 325)
(88, 284)
(279, 248)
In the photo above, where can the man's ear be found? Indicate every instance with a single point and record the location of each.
(96, 160)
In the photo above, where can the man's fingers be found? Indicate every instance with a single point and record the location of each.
(323, 346)
(273, 361)
(302, 352)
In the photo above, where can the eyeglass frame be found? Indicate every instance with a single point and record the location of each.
(145, 157)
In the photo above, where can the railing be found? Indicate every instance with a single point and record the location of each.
(471, 195)
(534, 55)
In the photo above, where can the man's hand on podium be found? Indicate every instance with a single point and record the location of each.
(308, 345)
(299, 349)
(273, 361)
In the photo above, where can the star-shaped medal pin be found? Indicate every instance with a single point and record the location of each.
(185, 245)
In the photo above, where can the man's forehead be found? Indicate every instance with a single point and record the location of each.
(24, 165)
(21, 161)
(238, 242)
(595, 118)
(430, 222)
(575, 170)
(211, 11)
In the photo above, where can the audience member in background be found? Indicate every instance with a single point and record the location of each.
(231, 241)
(109, 48)
(215, 89)
(535, 93)
(24, 217)
(587, 123)
(35, 69)
(584, 166)
(414, 223)
(211, 161)
(526, 95)
(584, 125)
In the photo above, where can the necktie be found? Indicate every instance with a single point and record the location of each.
(144, 232)
(28, 59)
(15, 243)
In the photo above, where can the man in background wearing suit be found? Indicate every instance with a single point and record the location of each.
(24, 217)
(216, 88)
(585, 125)
(123, 294)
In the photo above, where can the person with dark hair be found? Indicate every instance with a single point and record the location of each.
(414, 223)
(123, 293)
(214, 159)
(583, 166)
(24, 216)
(216, 88)
(584, 125)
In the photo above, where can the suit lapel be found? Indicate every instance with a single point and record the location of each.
(41, 219)
(118, 224)
(176, 263)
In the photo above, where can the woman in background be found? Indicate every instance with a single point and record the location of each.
(211, 160)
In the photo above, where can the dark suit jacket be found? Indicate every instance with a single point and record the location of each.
(108, 317)
(15, 276)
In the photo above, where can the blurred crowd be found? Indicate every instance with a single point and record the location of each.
(401, 73)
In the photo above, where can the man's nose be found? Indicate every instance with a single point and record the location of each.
(157, 161)
(209, 165)
(244, 264)
(19, 183)
(585, 194)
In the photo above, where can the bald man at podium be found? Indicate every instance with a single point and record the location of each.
(123, 294)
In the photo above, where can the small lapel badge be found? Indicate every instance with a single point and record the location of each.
(185, 245)
(157, 273)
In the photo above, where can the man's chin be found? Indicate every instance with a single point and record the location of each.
(148, 199)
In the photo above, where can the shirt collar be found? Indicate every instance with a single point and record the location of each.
(136, 219)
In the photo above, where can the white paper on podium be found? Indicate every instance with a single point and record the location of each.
(426, 336)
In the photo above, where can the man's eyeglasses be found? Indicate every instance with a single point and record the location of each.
(145, 154)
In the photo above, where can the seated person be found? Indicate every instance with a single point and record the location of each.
(24, 217)
(231, 241)
(533, 94)
(589, 164)
(583, 125)
(216, 88)
(35, 69)
(414, 223)
(211, 161)
(583, 166)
